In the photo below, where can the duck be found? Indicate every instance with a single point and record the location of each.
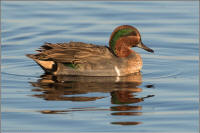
(83, 59)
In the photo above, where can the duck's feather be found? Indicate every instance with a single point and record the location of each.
(74, 52)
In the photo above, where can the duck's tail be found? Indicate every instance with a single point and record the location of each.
(47, 66)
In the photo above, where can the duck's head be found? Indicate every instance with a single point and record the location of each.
(123, 38)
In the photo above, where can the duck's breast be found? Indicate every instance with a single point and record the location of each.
(131, 64)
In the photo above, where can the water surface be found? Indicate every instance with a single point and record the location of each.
(162, 98)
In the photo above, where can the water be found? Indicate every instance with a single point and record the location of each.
(162, 98)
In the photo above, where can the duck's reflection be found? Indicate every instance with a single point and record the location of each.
(68, 88)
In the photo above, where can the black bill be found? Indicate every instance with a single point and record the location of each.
(141, 45)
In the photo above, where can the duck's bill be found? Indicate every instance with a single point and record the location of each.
(141, 45)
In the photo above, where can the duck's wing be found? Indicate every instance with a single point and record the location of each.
(73, 52)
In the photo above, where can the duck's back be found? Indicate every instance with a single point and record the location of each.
(77, 58)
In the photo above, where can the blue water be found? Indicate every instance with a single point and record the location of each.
(163, 98)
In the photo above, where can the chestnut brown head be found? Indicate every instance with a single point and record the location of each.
(123, 38)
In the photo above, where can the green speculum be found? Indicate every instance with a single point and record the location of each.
(117, 35)
(71, 65)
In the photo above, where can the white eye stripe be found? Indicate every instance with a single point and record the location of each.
(117, 71)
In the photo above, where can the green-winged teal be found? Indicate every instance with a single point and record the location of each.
(77, 58)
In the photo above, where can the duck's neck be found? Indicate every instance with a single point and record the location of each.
(122, 47)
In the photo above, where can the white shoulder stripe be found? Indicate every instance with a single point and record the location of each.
(117, 71)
